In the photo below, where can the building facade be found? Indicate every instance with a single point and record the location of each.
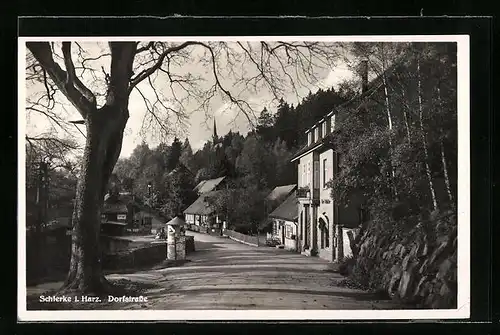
(323, 225)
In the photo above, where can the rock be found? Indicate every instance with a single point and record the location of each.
(404, 264)
(444, 269)
(423, 268)
(398, 248)
(393, 284)
(402, 251)
(396, 270)
(414, 249)
(445, 290)
(405, 284)
(438, 251)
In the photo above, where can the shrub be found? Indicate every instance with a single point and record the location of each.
(346, 266)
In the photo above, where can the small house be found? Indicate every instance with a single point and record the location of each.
(201, 215)
(114, 217)
(284, 222)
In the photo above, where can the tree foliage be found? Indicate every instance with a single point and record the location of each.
(407, 170)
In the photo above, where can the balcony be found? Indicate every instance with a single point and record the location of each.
(305, 194)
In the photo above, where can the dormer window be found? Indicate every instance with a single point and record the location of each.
(316, 137)
(327, 126)
(309, 138)
(332, 123)
(320, 131)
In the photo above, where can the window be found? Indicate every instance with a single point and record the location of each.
(332, 122)
(325, 173)
(316, 137)
(308, 173)
(309, 138)
(122, 217)
(320, 132)
(304, 181)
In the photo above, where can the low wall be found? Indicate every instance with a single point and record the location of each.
(139, 257)
(49, 256)
(242, 238)
(418, 266)
(198, 229)
(113, 244)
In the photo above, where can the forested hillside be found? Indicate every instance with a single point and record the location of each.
(255, 163)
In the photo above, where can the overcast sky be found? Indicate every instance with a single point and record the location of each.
(199, 124)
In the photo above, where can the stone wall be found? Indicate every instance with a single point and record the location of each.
(139, 257)
(416, 266)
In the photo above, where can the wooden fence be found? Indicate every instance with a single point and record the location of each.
(239, 237)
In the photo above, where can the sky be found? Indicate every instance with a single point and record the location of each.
(198, 127)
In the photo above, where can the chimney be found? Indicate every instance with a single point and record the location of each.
(364, 76)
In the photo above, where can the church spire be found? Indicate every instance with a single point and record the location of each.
(215, 137)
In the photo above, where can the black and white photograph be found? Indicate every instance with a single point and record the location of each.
(276, 177)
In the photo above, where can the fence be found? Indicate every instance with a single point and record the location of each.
(246, 239)
(198, 229)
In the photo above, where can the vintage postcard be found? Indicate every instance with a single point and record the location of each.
(244, 178)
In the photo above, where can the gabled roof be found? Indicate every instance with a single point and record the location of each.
(288, 210)
(208, 185)
(281, 191)
(200, 206)
(374, 86)
(117, 208)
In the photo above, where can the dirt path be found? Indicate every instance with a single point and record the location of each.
(223, 274)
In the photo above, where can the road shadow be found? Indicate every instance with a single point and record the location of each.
(355, 295)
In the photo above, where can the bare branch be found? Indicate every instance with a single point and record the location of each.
(147, 72)
(144, 48)
(43, 53)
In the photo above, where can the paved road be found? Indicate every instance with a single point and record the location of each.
(224, 274)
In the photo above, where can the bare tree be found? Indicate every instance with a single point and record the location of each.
(233, 72)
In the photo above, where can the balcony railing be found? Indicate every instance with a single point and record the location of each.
(305, 193)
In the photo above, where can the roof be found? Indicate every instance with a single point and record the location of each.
(118, 207)
(176, 222)
(374, 86)
(180, 167)
(288, 210)
(200, 206)
(118, 223)
(281, 191)
(208, 185)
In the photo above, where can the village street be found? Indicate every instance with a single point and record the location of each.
(224, 274)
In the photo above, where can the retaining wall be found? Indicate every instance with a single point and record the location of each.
(417, 267)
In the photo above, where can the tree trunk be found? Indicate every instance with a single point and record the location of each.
(405, 116)
(443, 157)
(389, 123)
(424, 140)
(104, 139)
